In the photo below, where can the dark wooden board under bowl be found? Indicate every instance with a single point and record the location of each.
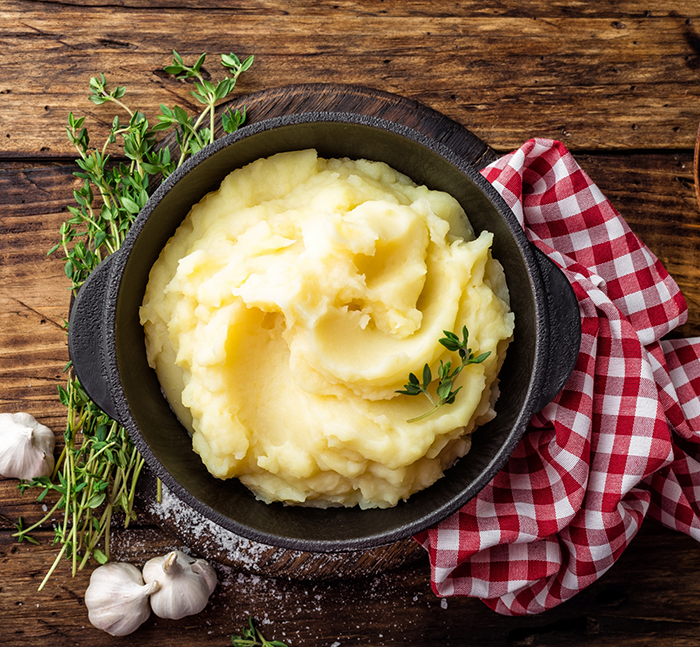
(218, 544)
(186, 524)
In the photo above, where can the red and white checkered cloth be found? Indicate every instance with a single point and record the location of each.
(622, 439)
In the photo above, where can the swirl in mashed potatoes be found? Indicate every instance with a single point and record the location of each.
(290, 306)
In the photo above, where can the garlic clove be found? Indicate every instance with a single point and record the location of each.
(26, 447)
(204, 569)
(185, 584)
(117, 598)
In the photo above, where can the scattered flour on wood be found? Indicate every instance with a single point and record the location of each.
(289, 608)
(208, 536)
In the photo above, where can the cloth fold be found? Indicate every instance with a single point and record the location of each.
(622, 439)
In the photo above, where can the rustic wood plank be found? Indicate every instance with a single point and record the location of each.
(34, 297)
(632, 604)
(337, 98)
(611, 79)
(696, 167)
(393, 8)
(626, 81)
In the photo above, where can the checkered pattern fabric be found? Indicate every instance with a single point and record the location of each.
(621, 440)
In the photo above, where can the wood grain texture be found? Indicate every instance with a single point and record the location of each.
(631, 605)
(337, 98)
(617, 81)
(696, 167)
(507, 74)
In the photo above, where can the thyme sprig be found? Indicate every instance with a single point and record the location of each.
(96, 475)
(251, 637)
(445, 391)
(98, 470)
(124, 187)
(191, 133)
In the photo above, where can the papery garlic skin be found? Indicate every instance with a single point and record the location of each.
(117, 598)
(26, 447)
(185, 584)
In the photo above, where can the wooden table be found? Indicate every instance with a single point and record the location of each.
(617, 82)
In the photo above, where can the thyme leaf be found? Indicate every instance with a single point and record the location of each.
(445, 393)
(251, 637)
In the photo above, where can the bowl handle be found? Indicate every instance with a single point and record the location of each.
(564, 324)
(86, 341)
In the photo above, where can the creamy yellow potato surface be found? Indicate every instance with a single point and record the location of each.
(291, 305)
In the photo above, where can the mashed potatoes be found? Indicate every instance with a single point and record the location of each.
(292, 304)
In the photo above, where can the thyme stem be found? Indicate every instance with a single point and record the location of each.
(99, 467)
(446, 374)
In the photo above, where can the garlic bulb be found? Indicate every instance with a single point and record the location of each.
(117, 598)
(185, 584)
(26, 447)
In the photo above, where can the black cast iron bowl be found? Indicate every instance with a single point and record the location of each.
(106, 341)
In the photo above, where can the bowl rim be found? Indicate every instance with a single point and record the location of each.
(114, 285)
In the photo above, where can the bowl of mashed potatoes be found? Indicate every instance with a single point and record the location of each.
(325, 332)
